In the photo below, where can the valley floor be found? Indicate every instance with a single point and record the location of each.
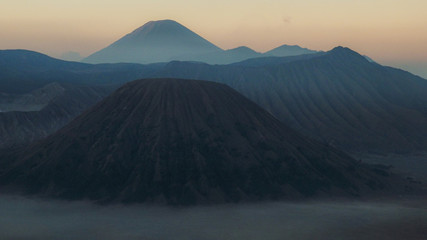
(23, 218)
(410, 165)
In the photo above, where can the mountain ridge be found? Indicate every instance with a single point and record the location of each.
(168, 40)
(307, 92)
(333, 97)
(182, 142)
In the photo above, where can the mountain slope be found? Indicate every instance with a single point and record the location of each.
(155, 41)
(337, 97)
(184, 142)
(33, 101)
(58, 105)
(23, 71)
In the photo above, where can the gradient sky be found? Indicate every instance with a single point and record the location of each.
(392, 32)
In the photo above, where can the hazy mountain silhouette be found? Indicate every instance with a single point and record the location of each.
(184, 142)
(271, 61)
(155, 41)
(242, 53)
(167, 40)
(228, 56)
(239, 54)
(288, 50)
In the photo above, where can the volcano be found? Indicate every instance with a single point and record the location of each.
(155, 41)
(180, 141)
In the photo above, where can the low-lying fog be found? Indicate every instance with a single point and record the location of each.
(22, 218)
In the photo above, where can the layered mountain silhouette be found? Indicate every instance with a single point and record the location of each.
(184, 142)
(337, 97)
(23, 71)
(167, 40)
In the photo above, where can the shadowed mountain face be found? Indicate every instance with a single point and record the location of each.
(183, 142)
(29, 117)
(337, 97)
(156, 41)
(33, 101)
(23, 71)
(40, 94)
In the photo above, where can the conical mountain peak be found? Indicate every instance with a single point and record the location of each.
(155, 41)
(345, 53)
(182, 142)
(167, 26)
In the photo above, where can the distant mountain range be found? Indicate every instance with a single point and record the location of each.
(286, 51)
(207, 125)
(337, 97)
(185, 142)
(167, 40)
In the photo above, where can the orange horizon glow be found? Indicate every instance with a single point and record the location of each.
(385, 30)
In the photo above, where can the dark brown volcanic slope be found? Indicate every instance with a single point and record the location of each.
(184, 142)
